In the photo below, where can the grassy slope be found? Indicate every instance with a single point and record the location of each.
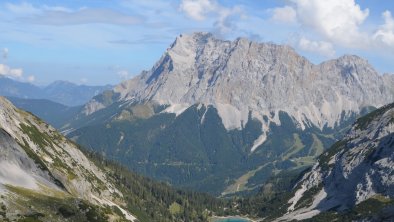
(24, 205)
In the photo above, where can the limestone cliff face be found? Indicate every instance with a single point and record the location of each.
(241, 76)
(359, 167)
(35, 157)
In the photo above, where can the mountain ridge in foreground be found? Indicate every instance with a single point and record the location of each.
(352, 181)
(356, 169)
(46, 177)
(38, 161)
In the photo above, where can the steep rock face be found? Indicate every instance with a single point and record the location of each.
(354, 170)
(271, 108)
(18, 169)
(36, 157)
(241, 76)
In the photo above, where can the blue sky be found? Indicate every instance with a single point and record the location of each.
(99, 42)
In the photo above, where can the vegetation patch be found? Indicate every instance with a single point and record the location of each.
(175, 208)
(363, 122)
(307, 198)
(325, 158)
(295, 148)
(153, 201)
(36, 206)
(42, 140)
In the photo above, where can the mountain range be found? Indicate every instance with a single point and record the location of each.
(63, 92)
(46, 177)
(223, 116)
(285, 138)
(56, 114)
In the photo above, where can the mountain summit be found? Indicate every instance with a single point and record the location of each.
(222, 116)
(242, 77)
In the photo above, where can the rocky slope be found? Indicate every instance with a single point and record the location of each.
(242, 76)
(222, 116)
(38, 163)
(45, 177)
(355, 172)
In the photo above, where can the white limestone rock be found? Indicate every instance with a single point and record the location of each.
(242, 76)
(361, 169)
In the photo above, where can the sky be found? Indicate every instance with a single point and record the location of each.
(98, 42)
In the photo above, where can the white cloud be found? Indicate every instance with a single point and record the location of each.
(225, 21)
(58, 15)
(284, 14)
(5, 53)
(384, 36)
(224, 17)
(23, 8)
(337, 20)
(10, 72)
(31, 79)
(84, 16)
(15, 73)
(320, 47)
(56, 8)
(124, 74)
(197, 9)
(83, 80)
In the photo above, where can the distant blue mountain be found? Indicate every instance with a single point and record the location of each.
(53, 113)
(63, 92)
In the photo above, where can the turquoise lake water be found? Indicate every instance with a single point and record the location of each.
(232, 220)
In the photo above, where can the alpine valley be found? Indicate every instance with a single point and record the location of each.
(225, 117)
(229, 129)
(45, 177)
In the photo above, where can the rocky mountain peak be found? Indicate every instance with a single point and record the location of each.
(348, 58)
(195, 38)
(241, 77)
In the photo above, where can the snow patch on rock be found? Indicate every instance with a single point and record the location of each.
(176, 108)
